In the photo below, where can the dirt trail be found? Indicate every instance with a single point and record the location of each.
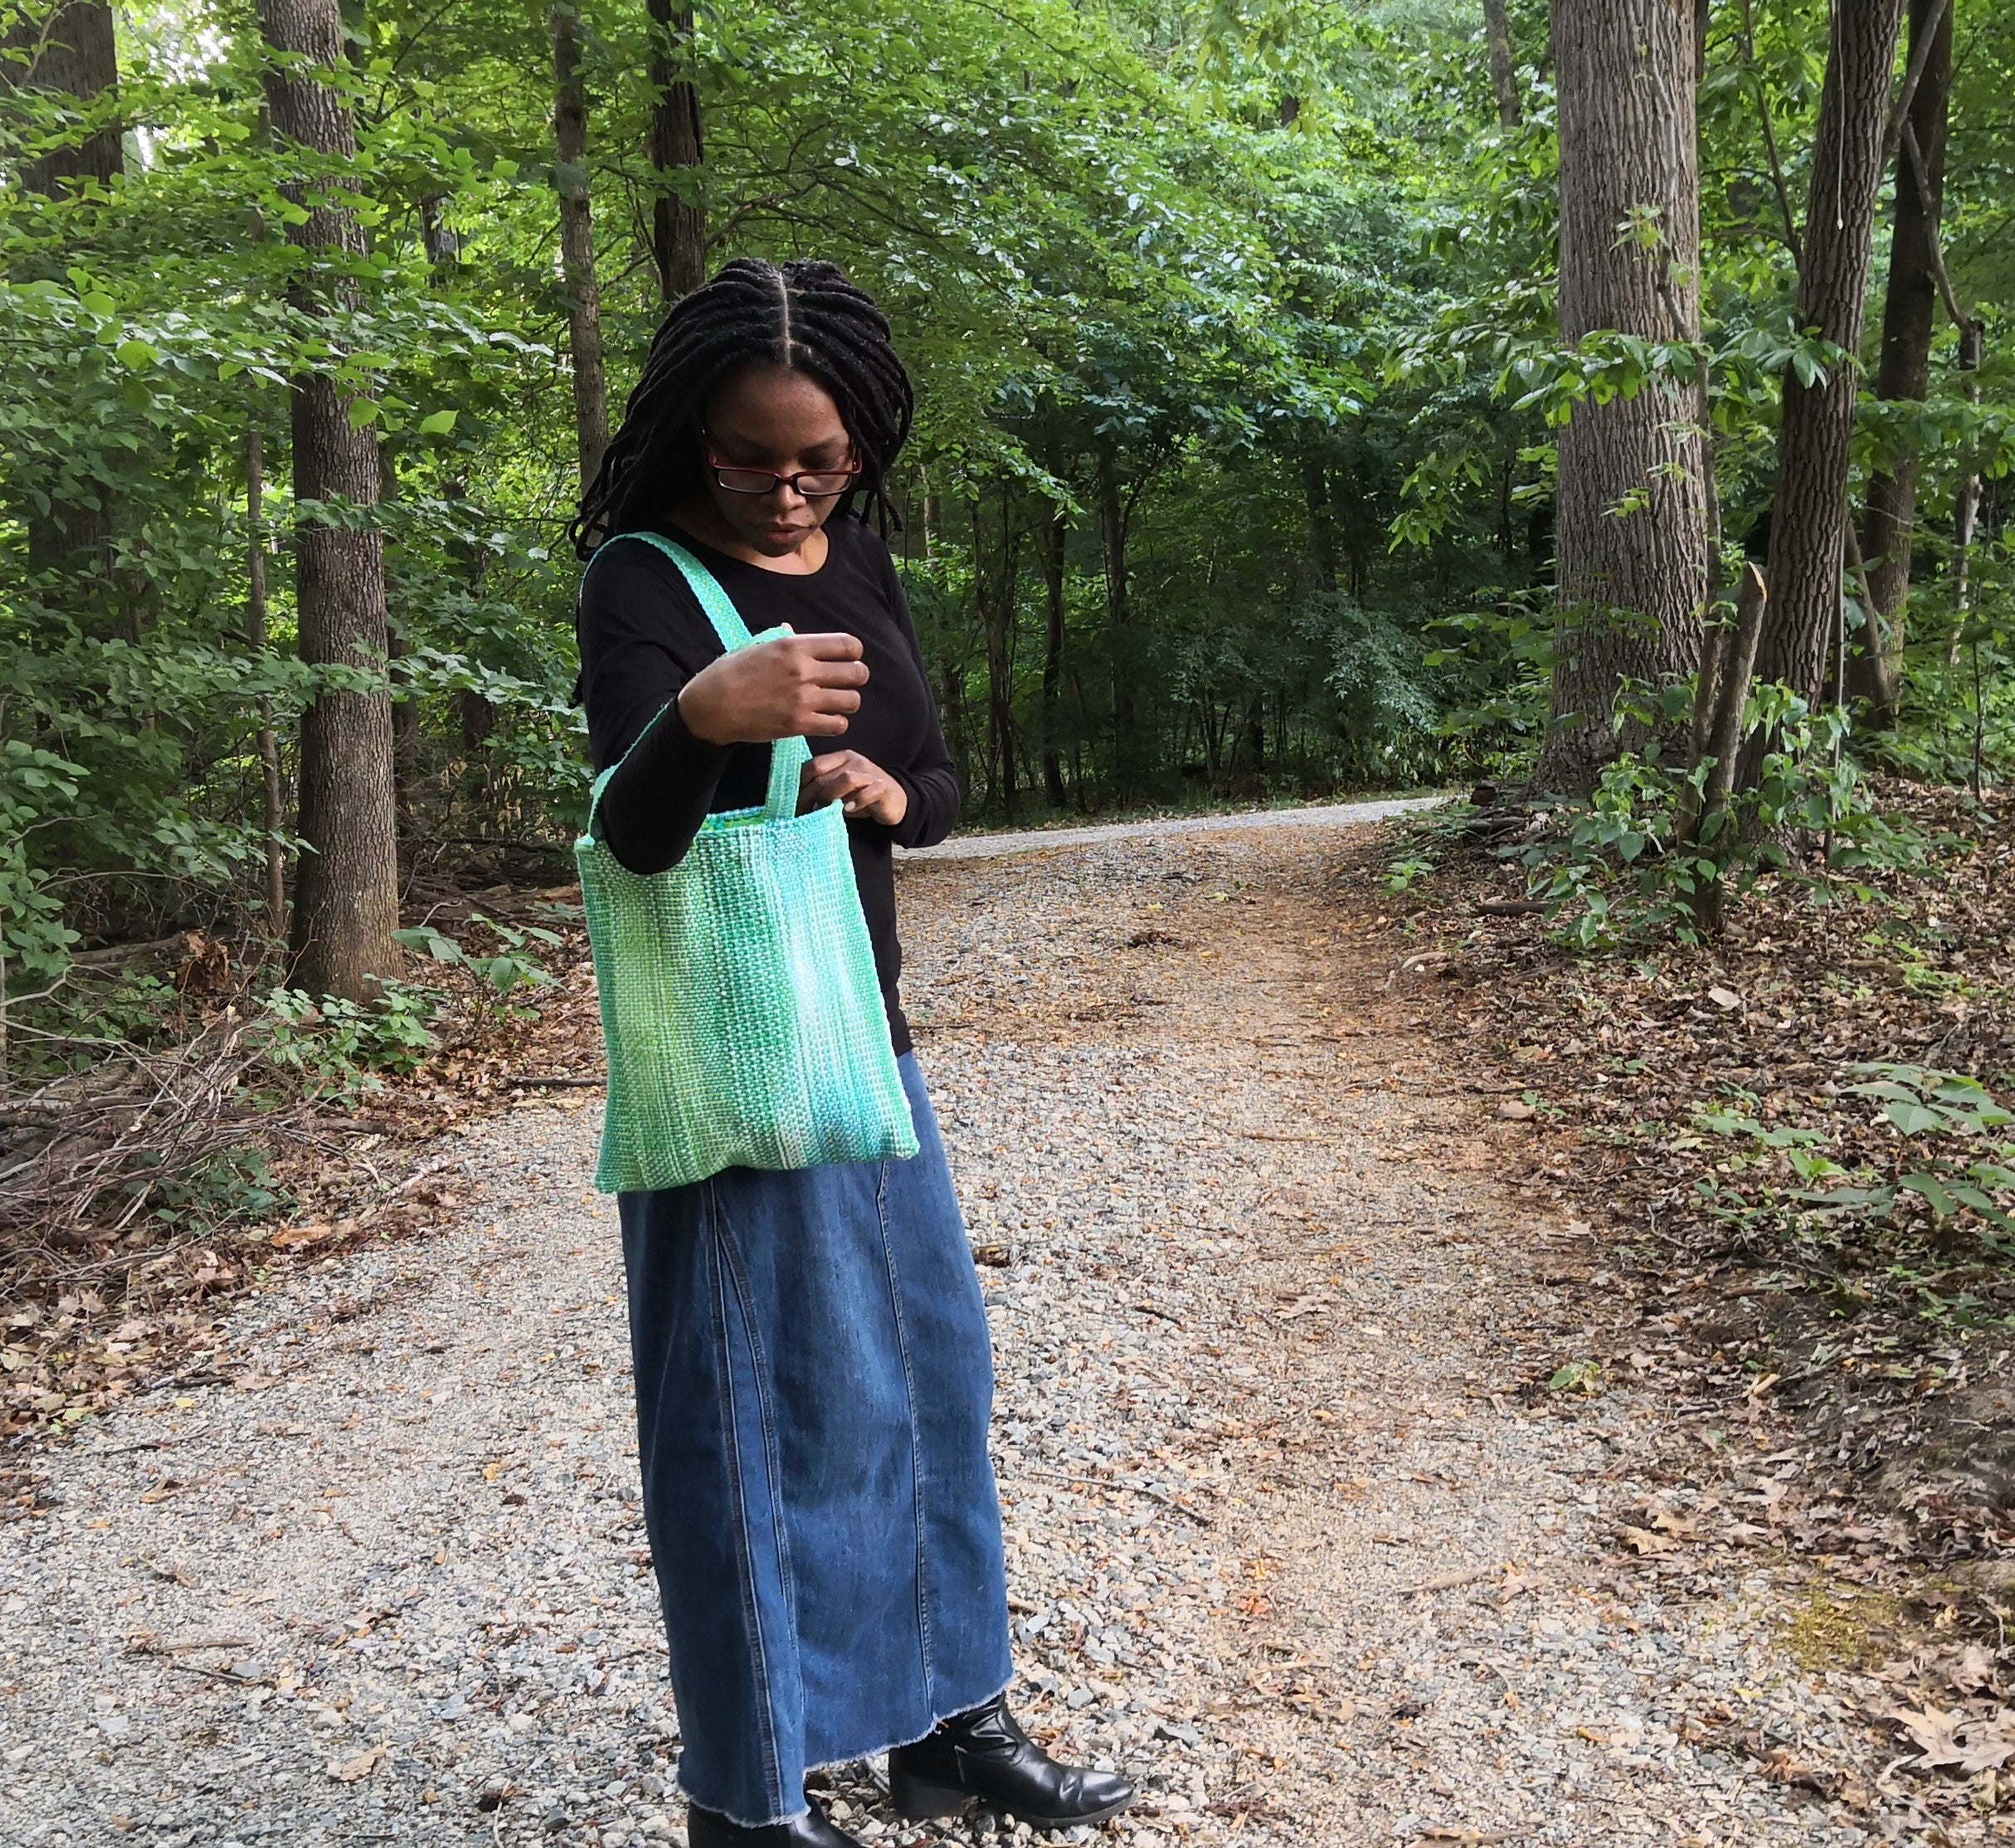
(1286, 1536)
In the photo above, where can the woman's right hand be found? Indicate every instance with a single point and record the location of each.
(797, 686)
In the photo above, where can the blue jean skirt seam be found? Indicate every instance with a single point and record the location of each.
(745, 1552)
(916, 1437)
(766, 1414)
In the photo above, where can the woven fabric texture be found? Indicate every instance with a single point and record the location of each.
(742, 1019)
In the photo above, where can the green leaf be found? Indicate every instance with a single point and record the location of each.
(134, 354)
(1913, 1119)
(1933, 1190)
(439, 425)
(362, 412)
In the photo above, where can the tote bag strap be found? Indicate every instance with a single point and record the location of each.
(787, 755)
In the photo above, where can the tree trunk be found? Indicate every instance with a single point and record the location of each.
(679, 217)
(1631, 540)
(1119, 644)
(255, 640)
(1908, 313)
(1809, 510)
(1503, 67)
(577, 245)
(73, 54)
(441, 241)
(346, 900)
(994, 587)
(1055, 531)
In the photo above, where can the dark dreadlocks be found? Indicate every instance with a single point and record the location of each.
(805, 315)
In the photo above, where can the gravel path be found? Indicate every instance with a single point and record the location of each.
(1283, 1537)
(1330, 814)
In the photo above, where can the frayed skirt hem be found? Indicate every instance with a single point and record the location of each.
(846, 1758)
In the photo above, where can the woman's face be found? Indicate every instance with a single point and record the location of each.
(772, 417)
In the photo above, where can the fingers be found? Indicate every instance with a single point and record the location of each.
(841, 776)
(837, 646)
(838, 784)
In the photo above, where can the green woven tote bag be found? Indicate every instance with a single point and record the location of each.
(744, 1021)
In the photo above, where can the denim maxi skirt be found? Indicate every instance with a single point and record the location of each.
(813, 1385)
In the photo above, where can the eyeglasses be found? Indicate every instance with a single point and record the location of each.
(812, 484)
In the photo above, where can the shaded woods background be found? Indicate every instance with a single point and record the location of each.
(1279, 363)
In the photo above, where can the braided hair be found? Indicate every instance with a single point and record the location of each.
(804, 315)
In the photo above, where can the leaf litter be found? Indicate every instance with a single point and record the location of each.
(1789, 1151)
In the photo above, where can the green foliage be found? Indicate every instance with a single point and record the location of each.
(493, 979)
(1258, 301)
(1627, 866)
(1964, 1155)
(337, 1047)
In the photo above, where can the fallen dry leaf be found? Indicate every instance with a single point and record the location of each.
(354, 1770)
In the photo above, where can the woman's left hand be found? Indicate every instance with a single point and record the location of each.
(864, 791)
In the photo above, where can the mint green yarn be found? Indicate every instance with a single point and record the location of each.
(740, 1007)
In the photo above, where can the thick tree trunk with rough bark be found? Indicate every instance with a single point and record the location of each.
(1909, 315)
(72, 54)
(679, 216)
(577, 245)
(1503, 66)
(346, 897)
(1808, 512)
(1631, 538)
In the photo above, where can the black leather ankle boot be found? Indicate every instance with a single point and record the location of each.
(814, 1828)
(985, 1757)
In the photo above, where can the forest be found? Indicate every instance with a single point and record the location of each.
(1611, 405)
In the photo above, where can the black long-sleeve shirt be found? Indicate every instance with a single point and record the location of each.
(644, 635)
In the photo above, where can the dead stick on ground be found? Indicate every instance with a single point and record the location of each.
(1129, 1488)
(1451, 1581)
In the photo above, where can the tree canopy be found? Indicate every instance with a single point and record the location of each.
(1243, 386)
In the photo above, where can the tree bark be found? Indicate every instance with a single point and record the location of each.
(1503, 67)
(346, 899)
(1056, 530)
(441, 241)
(679, 215)
(1631, 540)
(1809, 510)
(577, 245)
(1909, 314)
(73, 54)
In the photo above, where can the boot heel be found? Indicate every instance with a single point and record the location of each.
(917, 1801)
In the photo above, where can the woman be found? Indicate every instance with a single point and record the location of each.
(814, 1373)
